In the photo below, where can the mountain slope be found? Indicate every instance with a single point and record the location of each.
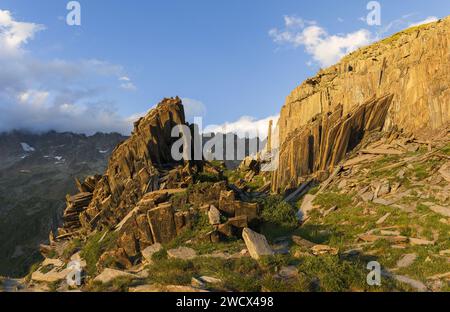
(36, 172)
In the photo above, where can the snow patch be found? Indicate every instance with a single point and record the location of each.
(27, 148)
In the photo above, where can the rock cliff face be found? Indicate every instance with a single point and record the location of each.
(402, 81)
(132, 170)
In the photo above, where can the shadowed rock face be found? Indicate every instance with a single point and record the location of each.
(401, 82)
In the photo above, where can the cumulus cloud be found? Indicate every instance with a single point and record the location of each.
(324, 48)
(245, 126)
(13, 34)
(56, 94)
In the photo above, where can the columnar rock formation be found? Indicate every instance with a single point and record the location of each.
(146, 197)
(409, 72)
(132, 169)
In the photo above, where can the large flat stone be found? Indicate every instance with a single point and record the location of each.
(257, 244)
(162, 224)
(108, 275)
(183, 253)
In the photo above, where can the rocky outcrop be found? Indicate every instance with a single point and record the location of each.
(146, 198)
(320, 145)
(401, 82)
(133, 167)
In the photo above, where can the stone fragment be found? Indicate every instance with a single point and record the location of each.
(214, 215)
(162, 224)
(257, 244)
(184, 253)
(367, 196)
(239, 222)
(417, 285)
(288, 272)
(319, 250)
(225, 229)
(108, 275)
(406, 260)
(420, 242)
(302, 242)
(383, 218)
(444, 211)
(148, 252)
(210, 280)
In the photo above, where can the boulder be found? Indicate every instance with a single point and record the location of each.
(257, 244)
(214, 215)
(108, 275)
(183, 253)
(162, 224)
(148, 252)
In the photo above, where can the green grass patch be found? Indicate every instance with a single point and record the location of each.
(94, 248)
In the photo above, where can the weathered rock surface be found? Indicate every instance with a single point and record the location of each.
(401, 82)
(132, 170)
(108, 275)
(257, 244)
(183, 253)
(148, 252)
(214, 215)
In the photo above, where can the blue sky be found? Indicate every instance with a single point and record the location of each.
(228, 59)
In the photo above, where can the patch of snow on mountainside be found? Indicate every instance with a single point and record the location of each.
(27, 148)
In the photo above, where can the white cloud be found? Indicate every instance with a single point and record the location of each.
(61, 95)
(428, 20)
(245, 126)
(325, 49)
(128, 86)
(13, 34)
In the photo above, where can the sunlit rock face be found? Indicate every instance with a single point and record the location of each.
(410, 70)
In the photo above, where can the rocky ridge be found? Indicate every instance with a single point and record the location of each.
(410, 69)
(146, 198)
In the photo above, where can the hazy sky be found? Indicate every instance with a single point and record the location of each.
(232, 61)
